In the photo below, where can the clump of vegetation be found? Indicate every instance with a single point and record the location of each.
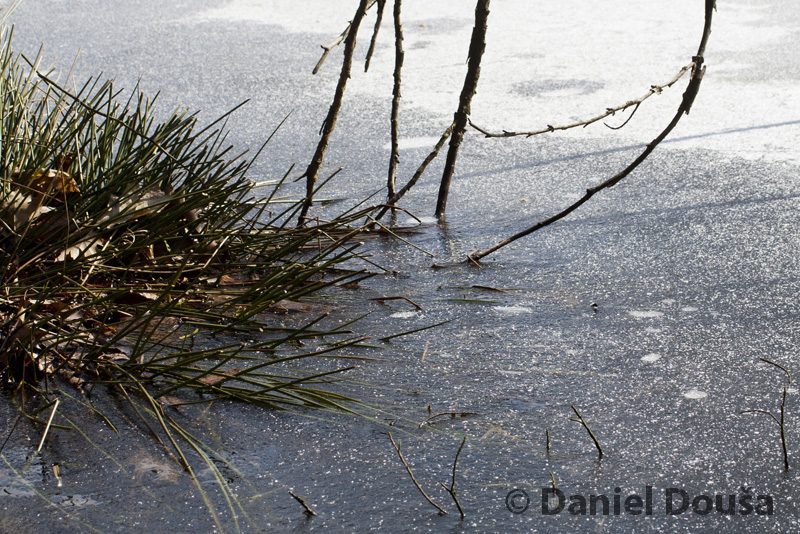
(121, 238)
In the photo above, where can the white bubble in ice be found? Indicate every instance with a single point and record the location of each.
(695, 394)
(403, 315)
(511, 310)
(645, 314)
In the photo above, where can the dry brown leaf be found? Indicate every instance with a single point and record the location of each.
(212, 380)
(50, 181)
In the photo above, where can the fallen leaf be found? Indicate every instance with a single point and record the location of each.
(212, 380)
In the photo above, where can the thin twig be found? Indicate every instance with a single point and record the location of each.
(476, 47)
(405, 464)
(374, 40)
(333, 113)
(336, 42)
(654, 90)
(14, 426)
(393, 234)
(589, 430)
(782, 421)
(685, 106)
(302, 501)
(383, 299)
(47, 428)
(394, 158)
(451, 414)
(424, 353)
(420, 171)
(779, 366)
(452, 489)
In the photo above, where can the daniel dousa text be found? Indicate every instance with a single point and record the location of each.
(670, 501)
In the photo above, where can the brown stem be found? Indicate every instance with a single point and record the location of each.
(589, 430)
(378, 20)
(384, 299)
(451, 414)
(685, 106)
(399, 55)
(420, 171)
(333, 112)
(654, 90)
(476, 47)
(452, 489)
(307, 509)
(336, 42)
(414, 480)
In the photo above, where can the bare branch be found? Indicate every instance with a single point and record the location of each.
(477, 46)
(589, 430)
(685, 106)
(420, 171)
(378, 20)
(654, 90)
(394, 158)
(336, 42)
(452, 489)
(330, 121)
(414, 480)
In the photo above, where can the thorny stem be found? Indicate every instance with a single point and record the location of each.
(685, 106)
(333, 112)
(476, 48)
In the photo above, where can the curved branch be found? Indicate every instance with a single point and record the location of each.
(654, 90)
(685, 106)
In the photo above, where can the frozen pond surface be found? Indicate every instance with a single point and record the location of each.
(648, 309)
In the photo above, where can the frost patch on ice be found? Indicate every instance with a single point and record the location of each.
(650, 358)
(511, 310)
(695, 394)
(403, 315)
(688, 309)
(645, 314)
(413, 142)
(651, 330)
